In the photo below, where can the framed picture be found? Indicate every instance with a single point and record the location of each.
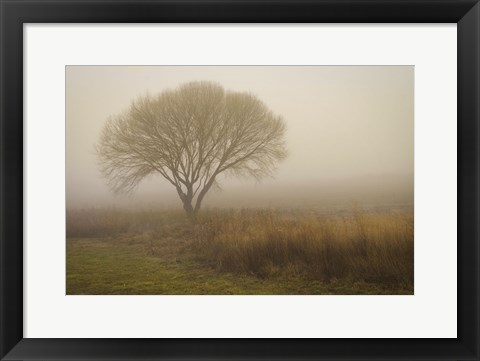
(226, 180)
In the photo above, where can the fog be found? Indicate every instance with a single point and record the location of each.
(350, 133)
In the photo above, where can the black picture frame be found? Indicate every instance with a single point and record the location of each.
(16, 13)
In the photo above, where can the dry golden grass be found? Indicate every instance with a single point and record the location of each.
(362, 246)
(359, 246)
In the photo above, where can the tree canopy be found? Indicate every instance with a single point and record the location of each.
(191, 135)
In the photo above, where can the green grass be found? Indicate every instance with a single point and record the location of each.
(141, 265)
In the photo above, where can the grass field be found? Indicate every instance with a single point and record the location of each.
(239, 252)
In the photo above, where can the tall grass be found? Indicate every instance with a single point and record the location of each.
(362, 246)
(359, 246)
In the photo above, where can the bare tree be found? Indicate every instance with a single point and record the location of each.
(190, 135)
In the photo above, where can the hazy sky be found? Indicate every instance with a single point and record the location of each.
(343, 122)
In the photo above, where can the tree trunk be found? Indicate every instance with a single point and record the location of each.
(202, 194)
(187, 199)
(187, 206)
(187, 202)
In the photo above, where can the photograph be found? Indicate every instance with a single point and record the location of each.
(257, 181)
(239, 180)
